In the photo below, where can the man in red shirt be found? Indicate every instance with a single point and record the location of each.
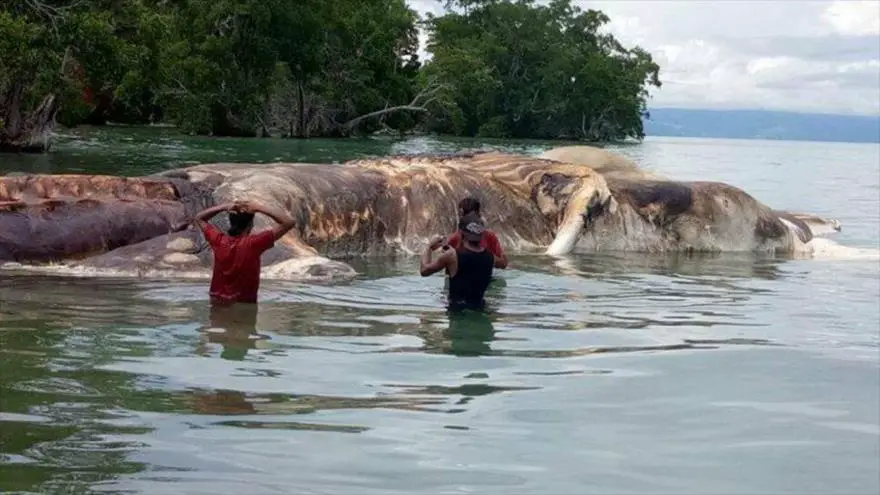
(236, 273)
(489, 240)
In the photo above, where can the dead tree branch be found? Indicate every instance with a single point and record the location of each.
(51, 13)
(418, 104)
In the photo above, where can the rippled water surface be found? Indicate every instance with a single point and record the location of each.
(595, 374)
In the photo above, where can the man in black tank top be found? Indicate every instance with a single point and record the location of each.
(469, 267)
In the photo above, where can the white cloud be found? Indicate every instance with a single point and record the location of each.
(854, 17)
(821, 56)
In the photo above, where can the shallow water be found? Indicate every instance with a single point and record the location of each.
(595, 374)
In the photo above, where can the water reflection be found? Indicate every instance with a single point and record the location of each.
(28, 300)
(96, 373)
(57, 428)
(468, 334)
(235, 402)
(710, 266)
(234, 327)
(138, 151)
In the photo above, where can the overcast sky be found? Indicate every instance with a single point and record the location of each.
(811, 56)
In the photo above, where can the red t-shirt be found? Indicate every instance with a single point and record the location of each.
(489, 242)
(236, 276)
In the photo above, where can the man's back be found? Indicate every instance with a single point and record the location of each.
(468, 286)
(236, 273)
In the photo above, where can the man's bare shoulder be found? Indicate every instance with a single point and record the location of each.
(448, 253)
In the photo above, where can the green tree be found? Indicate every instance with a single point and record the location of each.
(130, 92)
(220, 59)
(355, 58)
(70, 60)
(305, 68)
(518, 69)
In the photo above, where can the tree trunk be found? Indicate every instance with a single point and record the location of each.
(102, 106)
(348, 126)
(301, 111)
(428, 94)
(31, 134)
(225, 124)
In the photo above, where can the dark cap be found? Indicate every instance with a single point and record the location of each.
(471, 227)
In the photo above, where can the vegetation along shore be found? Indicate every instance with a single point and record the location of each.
(312, 68)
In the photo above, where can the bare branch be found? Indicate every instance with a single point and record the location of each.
(597, 124)
(181, 86)
(50, 12)
(429, 93)
(418, 104)
(65, 60)
(351, 123)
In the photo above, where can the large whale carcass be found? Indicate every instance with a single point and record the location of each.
(105, 225)
(383, 206)
(646, 212)
(660, 214)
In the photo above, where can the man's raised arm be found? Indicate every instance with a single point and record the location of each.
(427, 266)
(285, 221)
(201, 219)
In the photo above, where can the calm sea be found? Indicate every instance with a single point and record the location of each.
(608, 374)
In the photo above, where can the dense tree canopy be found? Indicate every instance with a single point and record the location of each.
(302, 68)
(517, 69)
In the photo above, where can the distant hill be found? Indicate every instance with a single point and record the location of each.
(762, 124)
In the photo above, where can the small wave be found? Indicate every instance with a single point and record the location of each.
(321, 269)
(821, 248)
(315, 269)
(90, 272)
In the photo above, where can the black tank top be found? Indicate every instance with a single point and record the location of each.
(474, 273)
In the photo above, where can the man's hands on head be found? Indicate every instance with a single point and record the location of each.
(242, 206)
(436, 242)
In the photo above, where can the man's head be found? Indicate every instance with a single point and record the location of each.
(468, 205)
(471, 227)
(240, 223)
